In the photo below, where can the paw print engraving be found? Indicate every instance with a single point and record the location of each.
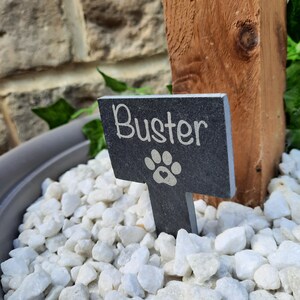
(163, 174)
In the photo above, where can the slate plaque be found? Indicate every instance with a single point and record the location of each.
(177, 144)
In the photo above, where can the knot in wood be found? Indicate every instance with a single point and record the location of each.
(247, 38)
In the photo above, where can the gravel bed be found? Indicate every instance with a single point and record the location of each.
(91, 236)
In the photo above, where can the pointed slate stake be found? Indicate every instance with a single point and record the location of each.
(178, 145)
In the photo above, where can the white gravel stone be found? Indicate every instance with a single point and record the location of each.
(77, 232)
(227, 265)
(200, 206)
(86, 186)
(74, 272)
(111, 217)
(148, 241)
(288, 165)
(54, 190)
(165, 245)
(197, 292)
(32, 286)
(103, 252)
(231, 240)
(210, 228)
(109, 193)
(96, 210)
(231, 214)
(60, 276)
(69, 203)
(143, 204)
(114, 295)
(186, 244)
(276, 206)
(130, 218)
(80, 211)
(210, 213)
(204, 265)
(284, 183)
(139, 258)
(147, 222)
(154, 260)
(131, 286)
(54, 292)
(32, 238)
(75, 292)
(287, 255)
(53, 243)
(26, 254)
(231, 289)
(45, 185)
(291, 281)
(86, 275)
(107, 235)
(16, 281)
(109, 280)
(293, 200)
(286, 227)
(263, 244)
(123, 183)
(296, 232)
(84, 247)
(278, 235)
(174, 290)
(50, 227)
(130, 234)
(136, 189)
(267, 277)
(14, 266)
(261, 295)
(249, 285)
(284, 278)
(69, 258)
(50, 206)
(151, 278)
(283, 296)
(125, 202)
(247, 262)
(125, 254)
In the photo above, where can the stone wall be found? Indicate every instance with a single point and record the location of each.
(50, 49)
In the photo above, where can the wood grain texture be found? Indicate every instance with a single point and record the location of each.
(236, 47)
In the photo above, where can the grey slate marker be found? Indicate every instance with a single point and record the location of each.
(177, 144)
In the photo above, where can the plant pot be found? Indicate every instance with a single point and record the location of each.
(23, 170)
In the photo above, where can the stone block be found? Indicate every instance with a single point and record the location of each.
(33, 34)
(28, 125)
(3, 136)
(118, 30)
(156, 81)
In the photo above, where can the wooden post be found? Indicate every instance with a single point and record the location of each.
(236, 47)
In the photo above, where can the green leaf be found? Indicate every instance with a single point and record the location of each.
(293, 50)
(293, 19)
(293, 139)
(87, 110)
(55, 114)
(292, 96)
(170, 88)
(120, 86)
(113, 84)
(93, 131)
